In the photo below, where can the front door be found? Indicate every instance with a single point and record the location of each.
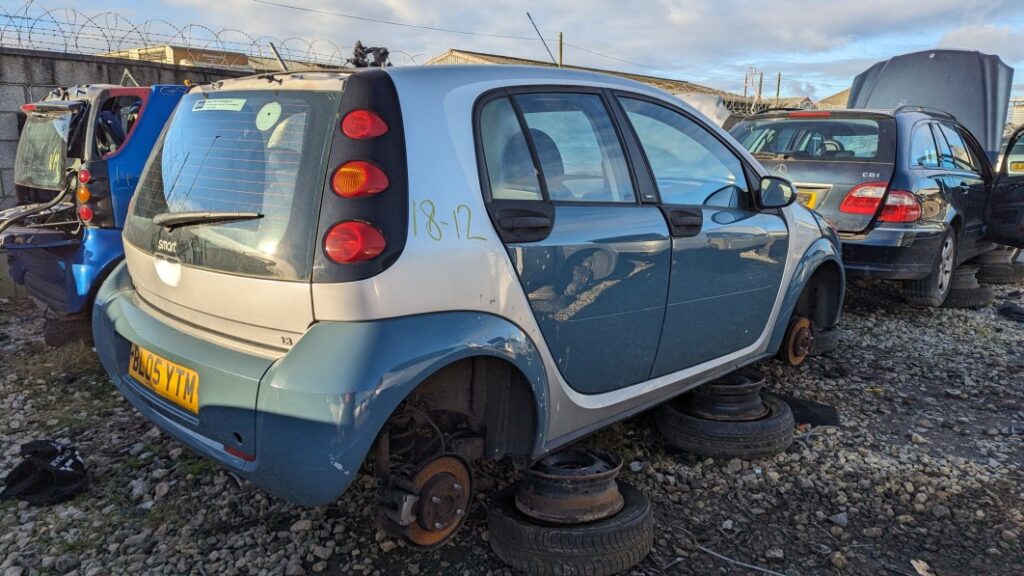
(592, 260)
(1006, 207)
(727, 257)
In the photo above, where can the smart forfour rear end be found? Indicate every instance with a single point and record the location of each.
(453, 262)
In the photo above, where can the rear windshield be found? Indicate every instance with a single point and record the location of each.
(42, 150)
(260, 151)
(829, 139)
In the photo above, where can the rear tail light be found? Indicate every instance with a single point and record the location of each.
(363, 124)
(901, 206)
(864, 199)
(84, 176)
(353, 241)
(85, 213)
(357, 179)
(28, 107)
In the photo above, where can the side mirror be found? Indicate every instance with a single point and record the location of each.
(776, 192)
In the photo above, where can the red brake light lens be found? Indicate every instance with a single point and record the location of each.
(363, 124)
(28, 107)
(901, 206)
(810, 114)
(353, 241)
(357, 179)
(85, 213)
(864, 198)
(84, 176)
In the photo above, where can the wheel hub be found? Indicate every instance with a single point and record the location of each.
(799, 340)
(734, 397)
(571, 486)
(439, 493)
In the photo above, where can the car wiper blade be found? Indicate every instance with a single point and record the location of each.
(176, 219)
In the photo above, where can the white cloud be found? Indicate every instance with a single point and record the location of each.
(990, 38)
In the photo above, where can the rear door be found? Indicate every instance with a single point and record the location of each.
(592, 259)
(964, 183)
(1006, 204)
(727, 256)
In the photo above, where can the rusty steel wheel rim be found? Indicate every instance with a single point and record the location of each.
(799, 339)
(444, 486)
(571, 486)
(735, 397)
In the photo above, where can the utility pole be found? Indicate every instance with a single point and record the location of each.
(778, 88)
(559, 49)
(760, 86)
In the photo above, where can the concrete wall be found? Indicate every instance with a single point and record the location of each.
(28, 75)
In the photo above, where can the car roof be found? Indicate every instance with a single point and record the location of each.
(449, 75)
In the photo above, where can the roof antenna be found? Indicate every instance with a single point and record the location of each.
(553, 61)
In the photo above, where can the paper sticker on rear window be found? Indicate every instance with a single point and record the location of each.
(228, 104)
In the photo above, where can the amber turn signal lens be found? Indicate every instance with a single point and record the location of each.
(82, 194)
(353, 241)
(357, 179)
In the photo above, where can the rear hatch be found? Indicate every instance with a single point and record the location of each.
(826, 155)
(259, 154)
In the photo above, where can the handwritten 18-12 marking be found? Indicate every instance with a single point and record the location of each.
(462, 217)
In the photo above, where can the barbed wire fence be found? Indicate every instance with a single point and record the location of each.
(33, 26)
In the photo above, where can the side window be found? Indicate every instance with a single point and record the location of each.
(580, 154)
(1015, 159)
(115, 121)
(509, 166)
(690, 165)
(959, 157)
(922, 147)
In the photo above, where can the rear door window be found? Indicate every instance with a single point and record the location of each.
(922, 147)
(958, 155)
(579, 151)
(261, 151)
(690, 165)
(507, 157)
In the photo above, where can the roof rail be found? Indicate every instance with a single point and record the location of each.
(919, 108)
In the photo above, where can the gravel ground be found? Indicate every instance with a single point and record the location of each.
(923, 476)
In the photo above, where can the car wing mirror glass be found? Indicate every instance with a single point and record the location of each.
(776, 192)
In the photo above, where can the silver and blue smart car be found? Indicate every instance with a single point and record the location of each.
(483, 261)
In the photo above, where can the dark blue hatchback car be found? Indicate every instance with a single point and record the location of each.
(909, 189)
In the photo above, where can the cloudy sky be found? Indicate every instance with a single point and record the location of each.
(818, 46)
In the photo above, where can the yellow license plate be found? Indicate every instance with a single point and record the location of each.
(171, 381)
(809, 199)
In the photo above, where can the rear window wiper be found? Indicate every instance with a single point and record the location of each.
(175, 219)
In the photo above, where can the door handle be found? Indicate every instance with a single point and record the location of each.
(525, 222)
(685, 222)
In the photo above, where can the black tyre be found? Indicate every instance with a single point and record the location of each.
(933, 290)
(728, 439)
(971, 298)
(597, 548)
(825, 341)
(1001, 273)
(64, 331)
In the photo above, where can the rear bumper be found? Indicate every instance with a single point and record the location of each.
(894, 252)
(62, 271)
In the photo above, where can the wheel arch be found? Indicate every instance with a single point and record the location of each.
(822, 264)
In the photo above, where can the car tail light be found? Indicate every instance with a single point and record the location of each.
(28, 107)
(82, 193)
(363, 124)
(864, 198)
(357, 179)
(84, 176)
(901, 206)
(810, 114)
(85, 213)
(353, 241)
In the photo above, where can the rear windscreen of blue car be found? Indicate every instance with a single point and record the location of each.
(42, 150)
(258, 151)
(851, 139)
